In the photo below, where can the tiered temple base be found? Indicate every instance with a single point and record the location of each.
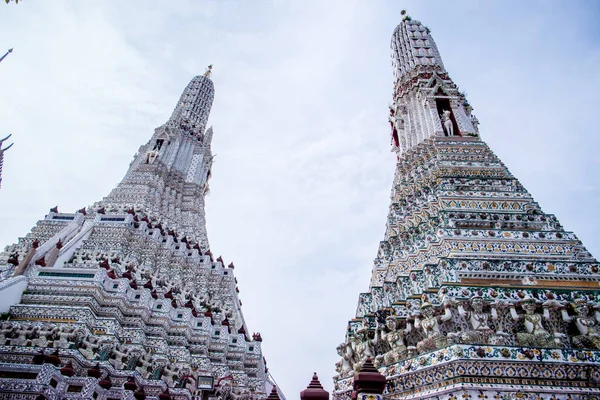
(491, 372)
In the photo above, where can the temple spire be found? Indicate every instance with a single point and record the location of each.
(179, 156)
(427, 102)
(208, 72)
(472, 281)
(143, 251)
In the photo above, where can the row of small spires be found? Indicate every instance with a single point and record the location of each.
(170, 295)
(111, 273)
(367, 381)
(159, 226)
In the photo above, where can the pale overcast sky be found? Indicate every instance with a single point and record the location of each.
(300, 188)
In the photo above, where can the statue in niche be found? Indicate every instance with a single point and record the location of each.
(587, 325)
(475, 123)
(446, 117)
(415, 285)
(432, 278)
(430, 324)
(535, 334)
(363, 347)
(151, 156)
(389, 297)
(394, 339)
(479, 320)
(158, 145)
(402, 295)
(364, 307)
(344, 366)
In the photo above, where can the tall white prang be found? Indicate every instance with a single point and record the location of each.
(475, 292)
(124, 299)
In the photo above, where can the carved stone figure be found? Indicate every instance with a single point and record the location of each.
(151, 156)
(6, 332)
(535, 334)
(181, 297)
(145, 365)
(364, 307)
(447, 122)
(475, 123)
(170, 373)
(64, 337)
(225, 392)
(479, 320)
(363, 347)
(432, 278)
(188, 381)
(41, 335)
(345, 351)
(88, 347)
(20, 335)
(394, 339)
(244, 394)
(430, 324)
(586, 324)
(118, 356)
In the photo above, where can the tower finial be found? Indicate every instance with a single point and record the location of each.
(403, 12)
(208, 71)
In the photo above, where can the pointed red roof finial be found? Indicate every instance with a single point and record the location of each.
(139, 394)
(68, 370)
(274, 395)
(130, 384)
(368, 379)
(166, 395)
(54, 209)
(95, 371)
(82, 211)
(314, 390)
(105, 383)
